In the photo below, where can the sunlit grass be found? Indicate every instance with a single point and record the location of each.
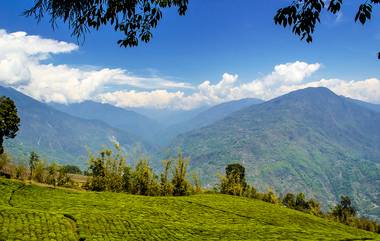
(30, 212)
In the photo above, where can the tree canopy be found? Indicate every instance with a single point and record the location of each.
(304, 15)
(134, 19)
(9, 120)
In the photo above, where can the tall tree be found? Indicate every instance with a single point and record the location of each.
(9, 120)
(134, 19)
(33, 161)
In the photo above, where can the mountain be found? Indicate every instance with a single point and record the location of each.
(120, 118)
(58, 136)
(207, 117)
(309, 140)
(169, 117)
(370, 106)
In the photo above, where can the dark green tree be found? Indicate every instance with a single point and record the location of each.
(237, 171)
(135, 19)
(289, 200)
(344, 210)
(9, 120)
(234, 182)
(301, 203)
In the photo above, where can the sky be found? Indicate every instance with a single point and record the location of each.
(221, 50)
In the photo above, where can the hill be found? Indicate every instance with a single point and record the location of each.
(59, 136)
(126, 120)
(309, 141)
(206, 117)
(29, 212)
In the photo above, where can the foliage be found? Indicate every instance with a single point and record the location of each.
(233, 182)
(134, 19)
(4, 160)
(9, 120)
(197, 183)
(300, 203)
(144, 180)
(181, 185)
(166, 185)
(72, 169)
(344, 210)
(270, 197)
(40, 213)
(304, 15)
(34, 159)
(107, 170)
(39, 172)
(296, 143)
(110, 172)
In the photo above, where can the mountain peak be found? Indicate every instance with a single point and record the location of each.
(313, 92)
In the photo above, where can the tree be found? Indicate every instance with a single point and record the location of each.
(344, 210)
(52, 174)
(304, 15)
(9, 120)
(301, 203)
(181, 185)
(34, 159)
(166, 186)
(289, 200)
(237, 171)
(144, 181)
(234, 182)
(72, 169)
(134, 19)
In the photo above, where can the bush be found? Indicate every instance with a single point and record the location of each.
(270, 197)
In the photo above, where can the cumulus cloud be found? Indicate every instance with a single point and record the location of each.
(22, 65)
(283, 79)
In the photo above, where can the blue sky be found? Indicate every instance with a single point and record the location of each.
(231, 43)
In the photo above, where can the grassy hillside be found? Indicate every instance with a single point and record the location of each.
(309, 141)
(29, 212)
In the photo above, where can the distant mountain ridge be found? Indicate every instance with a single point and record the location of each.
(126, 120)
(58, 136)
(370, 106)
(309, 140)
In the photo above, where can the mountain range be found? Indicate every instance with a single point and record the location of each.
(58, 136)
(309, 140)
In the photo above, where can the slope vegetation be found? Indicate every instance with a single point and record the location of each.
(59, 136)
(29, 212)
(309, 141)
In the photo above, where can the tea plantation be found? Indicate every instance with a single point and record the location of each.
(29, 212)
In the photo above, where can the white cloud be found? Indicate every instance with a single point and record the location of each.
(283, 79)
(24, 64)
(21, 66)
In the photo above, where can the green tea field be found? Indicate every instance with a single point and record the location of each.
(30, 212)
